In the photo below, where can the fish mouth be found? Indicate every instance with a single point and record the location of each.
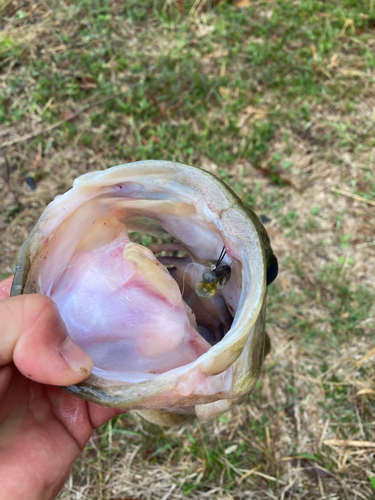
(136, 310)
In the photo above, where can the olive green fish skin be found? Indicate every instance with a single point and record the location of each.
(240, 356)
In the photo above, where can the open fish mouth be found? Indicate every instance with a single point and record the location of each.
(179, 326)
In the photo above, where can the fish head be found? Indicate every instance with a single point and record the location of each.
(179, 326)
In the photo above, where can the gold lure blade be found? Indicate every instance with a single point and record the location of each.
(205, 290)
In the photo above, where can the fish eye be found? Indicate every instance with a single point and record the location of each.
(272, 270)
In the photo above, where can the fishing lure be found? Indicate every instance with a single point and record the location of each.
(215, 279)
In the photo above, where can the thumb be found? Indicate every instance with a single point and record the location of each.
(33, 336)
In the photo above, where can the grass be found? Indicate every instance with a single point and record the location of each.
(277, 98)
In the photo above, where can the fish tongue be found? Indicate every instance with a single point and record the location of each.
(186, 333)
(148, 265)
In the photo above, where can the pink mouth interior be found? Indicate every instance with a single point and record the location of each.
(133, 327)
(121, 319)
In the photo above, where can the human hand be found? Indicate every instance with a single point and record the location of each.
(42, 428)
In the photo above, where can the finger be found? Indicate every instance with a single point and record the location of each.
(77, 416)
(72, 413)
(34, 336)
(5, 287)
(99, 415)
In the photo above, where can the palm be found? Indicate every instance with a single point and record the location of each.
(42, 431)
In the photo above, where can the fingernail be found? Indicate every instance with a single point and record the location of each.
(76, 357)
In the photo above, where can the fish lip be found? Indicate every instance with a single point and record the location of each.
(230, 213)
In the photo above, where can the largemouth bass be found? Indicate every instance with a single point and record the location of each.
(174, 329)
